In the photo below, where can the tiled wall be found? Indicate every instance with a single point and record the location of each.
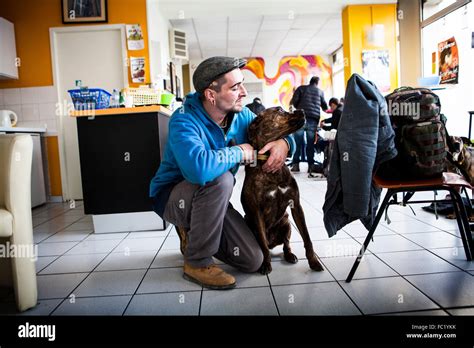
(35, 106)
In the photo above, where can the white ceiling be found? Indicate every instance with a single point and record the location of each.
(252, 28)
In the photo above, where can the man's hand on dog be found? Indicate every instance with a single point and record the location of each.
(278, 152)
(248, 153)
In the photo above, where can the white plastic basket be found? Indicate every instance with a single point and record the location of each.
(143, 95)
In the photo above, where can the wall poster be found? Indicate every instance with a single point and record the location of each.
(376, 68)
(448, 61)
(134, 37)
(137, 69)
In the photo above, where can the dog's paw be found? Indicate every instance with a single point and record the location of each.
(315, 265)
(265, 268)
(291, 258)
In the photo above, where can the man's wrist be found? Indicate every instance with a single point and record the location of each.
(287, 144)
(243, 152)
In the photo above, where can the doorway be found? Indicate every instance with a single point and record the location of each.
(96, 55)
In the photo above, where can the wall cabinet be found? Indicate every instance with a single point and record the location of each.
(8, 57)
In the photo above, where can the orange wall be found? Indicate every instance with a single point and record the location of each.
(32, 20)
(354, 20)
(54, 171)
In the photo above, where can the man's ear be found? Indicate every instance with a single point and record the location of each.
(210, 96)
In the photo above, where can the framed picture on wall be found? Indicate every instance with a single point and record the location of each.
(178, 89)
(173, 78)
(84, 11)
(167, 85)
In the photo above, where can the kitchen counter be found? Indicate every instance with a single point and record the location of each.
(120, 111)
(22, 130)
(120, 151)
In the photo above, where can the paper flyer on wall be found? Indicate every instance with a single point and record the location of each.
(376, 68)
(135, 37)
(448, 61)
(137, 69)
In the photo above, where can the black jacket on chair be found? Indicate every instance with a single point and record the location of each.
(364, 140)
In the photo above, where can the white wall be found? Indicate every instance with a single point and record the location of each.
(158, 38)
(34, 106)
(456, 100)
(159, 45)
(338, 81)
(410, 42)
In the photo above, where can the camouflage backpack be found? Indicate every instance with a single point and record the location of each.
(420, 134)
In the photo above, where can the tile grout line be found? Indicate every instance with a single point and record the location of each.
(273, 295)
(87, 276)
(403, 277)
(55, 216)
(146, 272)
(344, 290)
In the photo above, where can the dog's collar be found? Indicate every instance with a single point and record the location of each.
(262, 157)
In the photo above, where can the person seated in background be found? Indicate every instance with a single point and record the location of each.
(256, 106)
(333, 121)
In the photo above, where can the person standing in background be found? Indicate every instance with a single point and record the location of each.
(311, 99)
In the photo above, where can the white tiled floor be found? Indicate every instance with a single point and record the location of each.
(415, 265)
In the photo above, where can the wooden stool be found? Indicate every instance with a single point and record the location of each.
(447, 182)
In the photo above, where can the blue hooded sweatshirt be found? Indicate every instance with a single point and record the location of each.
(197, 149)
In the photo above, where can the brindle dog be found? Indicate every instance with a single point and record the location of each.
(265, 196)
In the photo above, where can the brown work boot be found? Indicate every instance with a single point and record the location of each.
(183, 242)
(211, 277)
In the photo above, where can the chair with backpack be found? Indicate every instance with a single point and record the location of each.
(422, 144)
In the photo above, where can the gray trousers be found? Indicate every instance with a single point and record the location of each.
(215, 227)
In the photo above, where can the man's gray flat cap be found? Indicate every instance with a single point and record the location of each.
(212, 68)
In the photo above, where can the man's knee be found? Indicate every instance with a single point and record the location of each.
(224, 183)
(253, 260)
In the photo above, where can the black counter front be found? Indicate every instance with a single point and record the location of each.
(119, 155)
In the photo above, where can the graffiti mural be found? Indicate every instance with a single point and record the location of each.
(293, 71)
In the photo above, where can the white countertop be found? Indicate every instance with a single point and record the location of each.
(23, 130)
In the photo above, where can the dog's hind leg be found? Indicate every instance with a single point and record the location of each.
(298, 216)
(266, 267)
(284, 230)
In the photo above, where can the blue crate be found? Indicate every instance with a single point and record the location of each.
(90, 98)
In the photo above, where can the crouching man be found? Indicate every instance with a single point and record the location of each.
(194, 183)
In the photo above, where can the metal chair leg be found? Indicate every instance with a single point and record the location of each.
(463, 222)
(471, 226)
(386, 199)
(464, 190)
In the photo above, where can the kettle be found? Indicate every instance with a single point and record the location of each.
(6, 119)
